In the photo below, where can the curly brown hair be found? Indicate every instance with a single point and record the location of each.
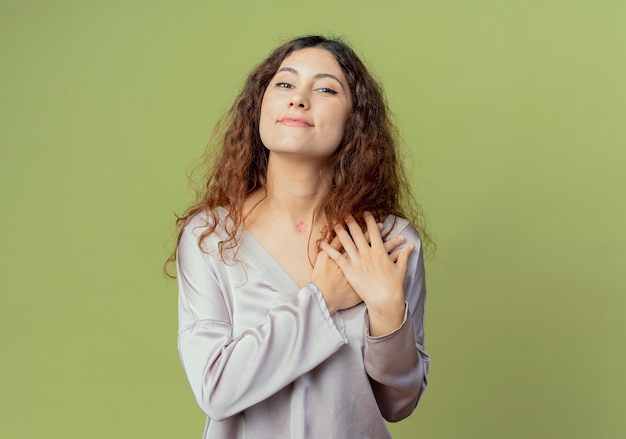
(363, 174)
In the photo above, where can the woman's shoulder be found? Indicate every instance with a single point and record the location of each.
(397, 225)
(213, 220)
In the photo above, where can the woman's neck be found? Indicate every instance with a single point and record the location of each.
(293, 191)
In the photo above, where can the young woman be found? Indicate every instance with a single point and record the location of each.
(301, 283)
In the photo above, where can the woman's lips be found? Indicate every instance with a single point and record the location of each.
(295, 121)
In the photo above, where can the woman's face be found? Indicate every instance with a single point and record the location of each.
(305, 106)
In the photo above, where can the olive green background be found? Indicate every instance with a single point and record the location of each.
(513, 115)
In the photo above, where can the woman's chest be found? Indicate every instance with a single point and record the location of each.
(290, 252)
(256, 291)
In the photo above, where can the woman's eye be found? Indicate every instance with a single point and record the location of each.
(283, 85)
(327, 90)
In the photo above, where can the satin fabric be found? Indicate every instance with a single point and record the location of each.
(265, 359)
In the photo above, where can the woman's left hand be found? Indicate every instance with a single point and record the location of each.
(376, 276)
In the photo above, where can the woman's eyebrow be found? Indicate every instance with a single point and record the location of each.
(319, 75)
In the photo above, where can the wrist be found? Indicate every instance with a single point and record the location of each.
(329, 304)
(389, 306)
(385, 319)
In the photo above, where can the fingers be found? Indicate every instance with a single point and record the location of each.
(356, 241)
(376, 239)
(357, 234)
(336, 243)
(346, 241)
(402, 260)
(371, 237)
(393, 243)
(334, 254)
(380, 229)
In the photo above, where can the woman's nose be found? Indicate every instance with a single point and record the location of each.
(299, 100)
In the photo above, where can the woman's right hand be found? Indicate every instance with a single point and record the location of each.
(337, 292)
(328, 277)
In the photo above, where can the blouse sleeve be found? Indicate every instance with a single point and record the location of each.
(229, 374)
(397, 363)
